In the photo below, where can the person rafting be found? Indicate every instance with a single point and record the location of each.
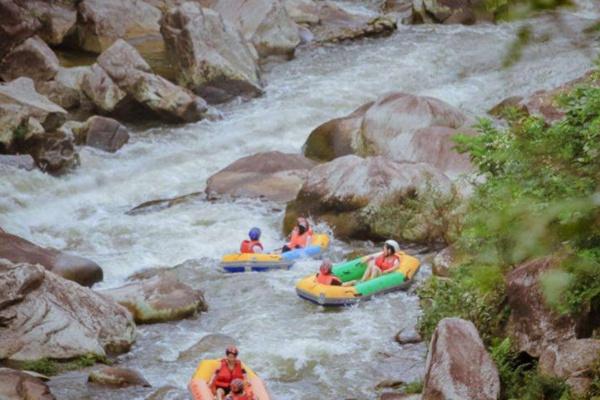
(325, 277)
(301, 236)
(386, 262)
(229, 370)
(253, 245)
(238, 392)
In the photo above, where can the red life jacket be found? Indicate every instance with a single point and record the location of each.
(328, 279)
(386, 263)
(225, 375)
(247, 246)
(297, 240)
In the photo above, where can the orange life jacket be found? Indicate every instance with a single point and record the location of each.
(384, 263)
(247, 246)
(225, 375)
(328, 279)
(297, 240)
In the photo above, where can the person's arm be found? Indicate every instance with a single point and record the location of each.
(212, 378)
(257, 249)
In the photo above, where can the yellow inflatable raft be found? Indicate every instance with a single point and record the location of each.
(200, 390)
(309, 289)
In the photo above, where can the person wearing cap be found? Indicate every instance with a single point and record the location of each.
(301, 236)
(325, 277)
(230, 369)
(238, 392)
(386, 262)
(253, 245)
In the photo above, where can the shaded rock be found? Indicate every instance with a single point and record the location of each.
(133, 75)
(33, 59)
(264, 23)
(19, 103)
(211, 56)
(16, 25)
(22, 161)
(53, 152)
(571, 360)
(78, 269)
(46, 316)
(209, 344)
(271, 175)
(533, 325)
(101, 89)
(19, 385)
(465, 12)
(158, 299)
(337, 24)
(57, 18)
(116, 376)
(370, 198)
(514, 101)
(103, 133)
(161, 204)
(458, 365)
(444, 261)
(168, 393)
(66, 88)
(408, 336)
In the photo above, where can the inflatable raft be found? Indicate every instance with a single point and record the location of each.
(244, 262)
(309, 289)
(200, 390)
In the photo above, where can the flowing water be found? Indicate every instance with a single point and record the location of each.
(302, 351)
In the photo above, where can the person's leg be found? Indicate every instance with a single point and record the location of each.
(285, 249)
(220, 394)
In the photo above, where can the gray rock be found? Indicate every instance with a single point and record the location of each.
(19, 385)
(103, 133)
(33, 59)
(117, 376)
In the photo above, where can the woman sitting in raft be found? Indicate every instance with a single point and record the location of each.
(253, 245)
(301, 236)
(325, 277)
(230, 369)
(237, 391)
(388, 261)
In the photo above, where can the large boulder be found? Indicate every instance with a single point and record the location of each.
(211, 56)
(57, 18)
(378, 198)
(270, 175)
(78, 269)
(213, 343)
(19, 385)
(465, 12)
(133, 75)
(33, 59)
(66, 89)
(104, 93)
(45, 316)
(458, 365)
(533, 325)
(400, 126)
(573, 361)
(264, 23)
(119, 377)
(16, 25)
(158, 299)
(53, 152)
(444, 261)
(103, 133)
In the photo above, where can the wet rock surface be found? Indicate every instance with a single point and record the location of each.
(117, 376)
(103, 133)
(19, 385)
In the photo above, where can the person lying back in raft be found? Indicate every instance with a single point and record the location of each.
(230, 369)
(253, 245)
(301, 236)
(388, 261)
(237, 391)
(325, 277)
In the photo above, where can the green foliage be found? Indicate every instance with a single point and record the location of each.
(43, 366)
(413, 387)
(48, 366)
(19, 132)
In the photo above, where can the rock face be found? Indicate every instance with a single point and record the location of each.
(46, 316)
(15, 25)
(33, 59)
(532, 325)
(264, 23)
(158, 299)
(101, 89)
(19, 385)
(57, 18)
(211, 56)
(443, 262)
(133, 75)
(120, 377)
(78, 269)
(367, 198)
(66, 88)
(103, 133)
(571, 360)
(54, 152)
(271, 175)
(466, 12)
(400, 126)
(458, 365)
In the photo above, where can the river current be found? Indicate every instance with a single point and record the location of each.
(301, 350)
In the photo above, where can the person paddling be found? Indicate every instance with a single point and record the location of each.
(237, 391)
(301, 236)
(386, 262)
(230, 369)
(325, 277)
(253, 245)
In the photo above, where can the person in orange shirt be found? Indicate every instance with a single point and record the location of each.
(386, 262)
(238, 392)
(230, 369)
(253, 245)
(325, 277)
(301, 236)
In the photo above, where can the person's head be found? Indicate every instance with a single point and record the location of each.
(325, 267)
(391, 246)
(237, 386)
(302, 224)
(254, 233)
(231, 352)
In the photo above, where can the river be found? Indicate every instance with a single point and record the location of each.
(301, 350)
